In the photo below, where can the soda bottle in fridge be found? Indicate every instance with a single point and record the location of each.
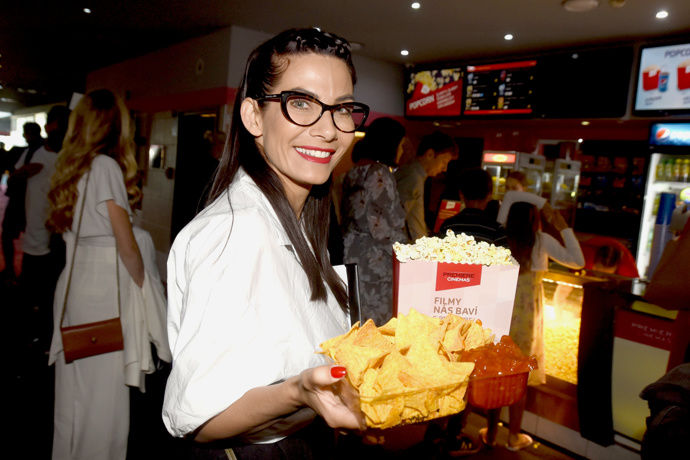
(668, 170)
(677, 166)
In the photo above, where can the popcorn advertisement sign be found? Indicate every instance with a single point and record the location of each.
(426, 278)
(432, 93)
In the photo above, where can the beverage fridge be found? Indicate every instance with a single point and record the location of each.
(669, 173)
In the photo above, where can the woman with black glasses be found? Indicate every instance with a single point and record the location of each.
(251, 291)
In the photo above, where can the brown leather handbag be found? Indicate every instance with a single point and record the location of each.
(90, 339)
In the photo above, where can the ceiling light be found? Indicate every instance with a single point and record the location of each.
(508, 36)
(87, 10)
(415, 5)
(662, 14)
(404, 52)
(356, 46)
(585, 123)
(580, 140)
(617, 3)
(579, 6)
(5, 114)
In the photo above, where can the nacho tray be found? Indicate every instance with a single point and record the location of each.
(421, 404)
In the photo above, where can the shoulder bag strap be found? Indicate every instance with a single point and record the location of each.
(74, 254)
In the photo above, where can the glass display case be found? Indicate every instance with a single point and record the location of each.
(533, 167)
(564, 183)
(499, 164)
(563, 295)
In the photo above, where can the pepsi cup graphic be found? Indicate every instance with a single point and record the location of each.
(663, 80)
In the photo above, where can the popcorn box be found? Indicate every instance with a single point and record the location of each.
(472, 291)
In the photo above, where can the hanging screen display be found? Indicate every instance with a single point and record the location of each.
(500, 89)
(663, 80)
(434, 93)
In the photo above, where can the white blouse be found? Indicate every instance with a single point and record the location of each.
(239, 312)
(547, 247)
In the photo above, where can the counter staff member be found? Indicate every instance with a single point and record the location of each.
(251, 291)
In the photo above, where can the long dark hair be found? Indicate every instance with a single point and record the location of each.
(521, 229)
(265, 66)
(380, 142)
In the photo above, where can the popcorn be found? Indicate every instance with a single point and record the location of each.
(561, 339)
(460, 248)
(434, 79)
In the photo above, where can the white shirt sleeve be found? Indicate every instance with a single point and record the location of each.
(569, 255)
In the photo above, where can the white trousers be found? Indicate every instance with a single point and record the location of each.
(91, 409)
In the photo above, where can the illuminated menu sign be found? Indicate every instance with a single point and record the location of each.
(434, 93)
(499, 157)
(663, 82)
(500, 89)
(675, 134)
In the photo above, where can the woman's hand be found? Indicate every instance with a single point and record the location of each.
(326, 390)
(554, 217)
(126, 243)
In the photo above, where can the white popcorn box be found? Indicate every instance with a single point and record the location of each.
(472, 291)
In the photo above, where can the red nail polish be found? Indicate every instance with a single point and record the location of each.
(338, 372)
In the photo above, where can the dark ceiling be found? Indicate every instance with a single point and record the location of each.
(47, 47)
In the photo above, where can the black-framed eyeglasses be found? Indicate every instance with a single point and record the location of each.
(304, 110)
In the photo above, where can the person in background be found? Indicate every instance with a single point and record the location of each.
(14, 222)
(94, 185)
(607, 259)
(42, 262)
(251, 291)
(516, 181)
(5, 163)
(475, 192)
(433, 155)
(373, 216)
(608, 255)
(532, 249)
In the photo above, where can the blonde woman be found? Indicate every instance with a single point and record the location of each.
(96, 164)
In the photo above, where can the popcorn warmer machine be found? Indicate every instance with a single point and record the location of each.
(568, 326)
(600, 353)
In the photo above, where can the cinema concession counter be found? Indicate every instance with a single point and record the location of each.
(602, 346)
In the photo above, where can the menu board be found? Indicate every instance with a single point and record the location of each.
(663, 80)
(500, 89)
(434, 93)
